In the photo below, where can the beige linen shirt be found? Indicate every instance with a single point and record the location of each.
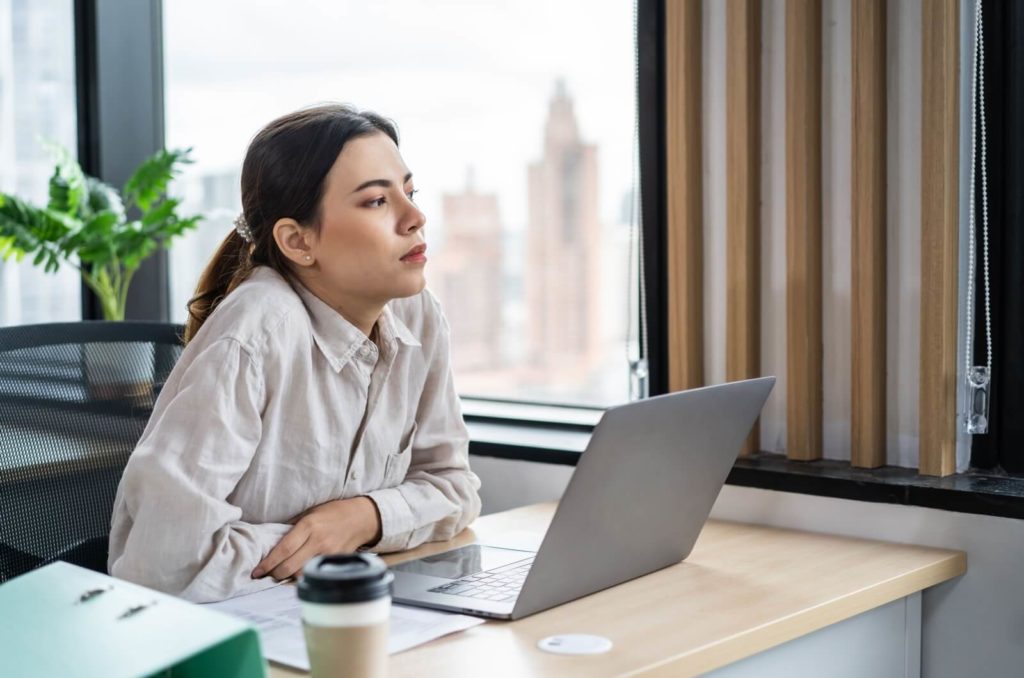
(279, 404)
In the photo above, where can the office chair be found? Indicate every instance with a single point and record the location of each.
(74, 400)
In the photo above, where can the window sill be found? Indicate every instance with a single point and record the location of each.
(972, 492)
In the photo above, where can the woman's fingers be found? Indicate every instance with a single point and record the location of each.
(292, 566)
(288, 545)
(326, 528)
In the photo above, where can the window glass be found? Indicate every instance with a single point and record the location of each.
(517, 121)
(37, 103)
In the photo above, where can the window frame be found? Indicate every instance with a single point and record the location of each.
(153, 291)
(1002, 448)
(120, 92)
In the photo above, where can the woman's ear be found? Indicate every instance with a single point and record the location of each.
(295, 241)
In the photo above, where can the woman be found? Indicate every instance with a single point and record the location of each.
(312, 410)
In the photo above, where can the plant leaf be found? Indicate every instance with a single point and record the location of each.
(68, 183)
(102, 223)
(160, 213)
(30, 230)
(103, 198)
(60, 193)
(150, 180)
(96, 242)
(7, 248)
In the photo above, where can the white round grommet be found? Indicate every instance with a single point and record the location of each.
(575, 643)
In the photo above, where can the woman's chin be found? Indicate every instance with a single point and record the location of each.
(412, 284)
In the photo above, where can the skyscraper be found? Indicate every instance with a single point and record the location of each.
(563, 248)
(468, 277)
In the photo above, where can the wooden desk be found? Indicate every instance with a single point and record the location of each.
(745, 590)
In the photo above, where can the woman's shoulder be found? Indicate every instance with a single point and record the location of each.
(259, 313)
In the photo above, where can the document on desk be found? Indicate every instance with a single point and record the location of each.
(277, 615)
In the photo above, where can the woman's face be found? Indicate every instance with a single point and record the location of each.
(370, 246)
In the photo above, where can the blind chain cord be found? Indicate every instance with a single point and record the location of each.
(979, 377)
(639, 372)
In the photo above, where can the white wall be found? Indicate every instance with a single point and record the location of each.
(507, 484)
(973, 626)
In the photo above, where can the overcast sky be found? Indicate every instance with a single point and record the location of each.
(467, 82)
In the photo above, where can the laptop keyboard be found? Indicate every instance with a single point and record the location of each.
(500, 584)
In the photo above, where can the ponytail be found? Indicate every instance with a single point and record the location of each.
(228, 269)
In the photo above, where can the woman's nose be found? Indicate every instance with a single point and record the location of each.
(414, 220)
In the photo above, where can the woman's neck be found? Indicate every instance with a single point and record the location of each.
(361, 312)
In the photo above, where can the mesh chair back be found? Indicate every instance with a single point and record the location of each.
(74, 400)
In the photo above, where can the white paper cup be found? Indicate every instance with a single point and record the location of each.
(346, 605)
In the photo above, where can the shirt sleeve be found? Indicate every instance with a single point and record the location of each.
(439, 497)
(174, 527)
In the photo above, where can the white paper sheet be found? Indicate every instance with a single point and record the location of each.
(277, 616)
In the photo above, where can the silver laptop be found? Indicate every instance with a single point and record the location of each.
(636, 503)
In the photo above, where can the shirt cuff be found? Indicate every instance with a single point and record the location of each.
(396, 520)
(233, 576)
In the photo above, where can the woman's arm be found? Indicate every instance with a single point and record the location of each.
(174, 528)
(439, 495)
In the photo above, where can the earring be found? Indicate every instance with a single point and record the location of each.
(308, 258)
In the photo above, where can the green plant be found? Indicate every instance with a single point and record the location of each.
(86, 224)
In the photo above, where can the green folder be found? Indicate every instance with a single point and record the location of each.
(46, 629)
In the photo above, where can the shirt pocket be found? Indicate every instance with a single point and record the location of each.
(397, 464)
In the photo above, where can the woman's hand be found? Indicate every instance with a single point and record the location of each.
(338, 526)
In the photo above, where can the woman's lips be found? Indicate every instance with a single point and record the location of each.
(417, 255)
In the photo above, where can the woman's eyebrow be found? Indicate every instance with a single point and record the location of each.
(383, 183)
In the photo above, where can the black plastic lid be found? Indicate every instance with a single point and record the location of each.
(345, 578)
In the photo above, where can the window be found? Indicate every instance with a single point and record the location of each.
(1004, 106)
(517, 120)
(37, 103)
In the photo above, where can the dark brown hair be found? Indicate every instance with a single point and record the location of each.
(284, 175)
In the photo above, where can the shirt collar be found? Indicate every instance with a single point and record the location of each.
(392, 327)
(338, 339)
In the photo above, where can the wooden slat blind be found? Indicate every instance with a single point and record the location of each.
(868, 148)
(803, 152)
(940, 31)
(685, 194)
(743, 196)
(803, 229)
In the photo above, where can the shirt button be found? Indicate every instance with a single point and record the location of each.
(354, 475)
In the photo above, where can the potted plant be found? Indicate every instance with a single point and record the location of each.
(103, 234)
(86, 224)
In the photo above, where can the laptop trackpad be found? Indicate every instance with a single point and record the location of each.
(462, 562)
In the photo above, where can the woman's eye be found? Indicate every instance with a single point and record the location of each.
(381, 201)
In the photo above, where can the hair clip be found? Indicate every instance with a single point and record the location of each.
(92, 593)
(242, 227)
(134, 610)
